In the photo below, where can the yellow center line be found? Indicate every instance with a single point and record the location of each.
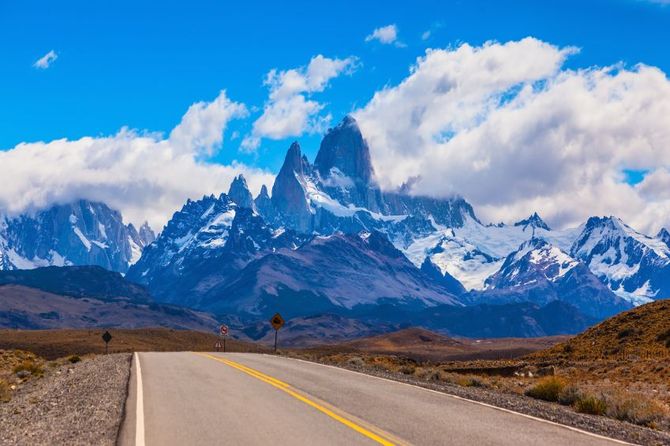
(368, 431)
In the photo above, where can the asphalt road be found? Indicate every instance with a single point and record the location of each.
(249, 399)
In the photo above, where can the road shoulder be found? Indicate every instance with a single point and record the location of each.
(74, 404)
(554, 413)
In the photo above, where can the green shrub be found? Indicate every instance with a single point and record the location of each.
(590, 404)
(547, 389)
(74, 359)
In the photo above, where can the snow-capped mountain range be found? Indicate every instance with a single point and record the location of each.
(329, 239)
(80, 233)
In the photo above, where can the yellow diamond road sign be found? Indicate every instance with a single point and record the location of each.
(277, 321)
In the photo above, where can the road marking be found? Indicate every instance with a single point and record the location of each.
(502, 409)
(368, 431)
(139, 408)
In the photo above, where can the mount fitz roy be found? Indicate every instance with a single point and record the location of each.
(328, 241)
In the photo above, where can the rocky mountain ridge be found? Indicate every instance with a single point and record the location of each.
(329, 240)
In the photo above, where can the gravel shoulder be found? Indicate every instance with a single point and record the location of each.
(553, 412)
(74, 404)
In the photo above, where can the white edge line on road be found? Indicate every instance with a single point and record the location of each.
(139, 408)
(575, 429)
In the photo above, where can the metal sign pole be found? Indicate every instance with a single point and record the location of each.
(106, 337)
(224, 345)
(277, 322)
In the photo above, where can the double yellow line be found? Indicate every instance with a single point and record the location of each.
(368, 431)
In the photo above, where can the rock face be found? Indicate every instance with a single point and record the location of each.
(239, 193)
(664, 236)
(80, 233)
(345, 168)
(445, 279)
(288, 191)
(264, 205)
(343, 148)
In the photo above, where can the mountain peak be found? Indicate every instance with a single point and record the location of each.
(348, 120)
(239, 192)
(293, 160)
(664, 236)
(611, 222)
(288, 194)
(264, 193)
(534, 221)
(344, 148)
(147, 235)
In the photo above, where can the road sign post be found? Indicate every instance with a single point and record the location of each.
(223, 332)
(277, 322)
(106, 336)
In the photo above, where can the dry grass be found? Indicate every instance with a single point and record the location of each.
(5, 392)
(635, 408)
(52, 344)
(590, 404)
(547, 389)
(13, 362)
(30, 366)
(640, 333)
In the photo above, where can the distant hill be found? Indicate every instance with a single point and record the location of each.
(83, 297)
(643, 332)
(52, 344)
(522, 319)
(422, 344)
(78, 281)
(411, 340)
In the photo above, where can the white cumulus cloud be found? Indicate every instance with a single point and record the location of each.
(290, 109)
(512, 130)
(144, 175)
(386, 34)
(45, 61)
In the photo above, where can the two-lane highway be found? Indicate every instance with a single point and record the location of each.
(248, 399)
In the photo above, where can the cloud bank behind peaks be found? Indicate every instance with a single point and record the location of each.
(144, 175)
(506, 126)
(290, 110)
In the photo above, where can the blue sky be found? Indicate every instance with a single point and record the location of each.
(570, 123)
(141, 64)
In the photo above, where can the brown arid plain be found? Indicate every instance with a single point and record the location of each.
(613, 379)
